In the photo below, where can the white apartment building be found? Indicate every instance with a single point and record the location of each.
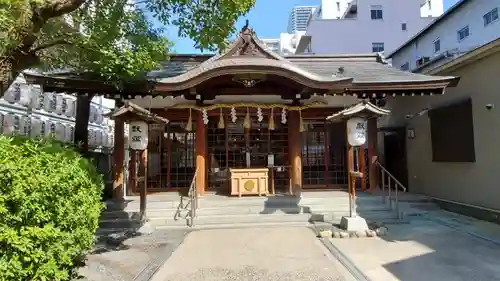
(365, 26)
(286, 44)
(299, 16)
(25, 110)
(467, 25)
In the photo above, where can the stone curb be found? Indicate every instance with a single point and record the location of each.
(381, 231)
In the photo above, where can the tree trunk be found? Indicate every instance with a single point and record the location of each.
(82, 122)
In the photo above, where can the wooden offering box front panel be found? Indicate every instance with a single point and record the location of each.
(251, 181)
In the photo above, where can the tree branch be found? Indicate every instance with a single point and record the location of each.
(51, 44)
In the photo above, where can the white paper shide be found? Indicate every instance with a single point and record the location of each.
(356, 131)
(138, 135)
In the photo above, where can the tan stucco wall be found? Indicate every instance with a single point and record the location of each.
(472, 183)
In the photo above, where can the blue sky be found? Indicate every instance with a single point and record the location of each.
(268, 18)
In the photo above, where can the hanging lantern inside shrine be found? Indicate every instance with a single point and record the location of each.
(356, 131)
(138, 135)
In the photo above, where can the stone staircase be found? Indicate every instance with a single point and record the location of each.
(219, 211)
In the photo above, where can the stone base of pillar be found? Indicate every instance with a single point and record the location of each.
(353, 224)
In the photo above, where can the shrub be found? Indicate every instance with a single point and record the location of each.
(49, 209)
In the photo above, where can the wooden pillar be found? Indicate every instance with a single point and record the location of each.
(295, 151)
(201, 154)
(372, 153)
(132, 173)
(144, 187)
(362, 166)
(351, 179)
(118, 159)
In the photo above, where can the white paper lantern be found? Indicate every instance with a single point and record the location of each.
(99, 137)
(69, 133)
(13, 93)
(90, 137)
(24, 126)
(111, 140)
(9, 124)
(104, 139)
(92, 114)
(50, 128)
(99, 118)
(47, 102)
(60, 131)
(356, 131)
(70, 109)
(60, 104)
(27, 94)
(36, 127)
(138, 135)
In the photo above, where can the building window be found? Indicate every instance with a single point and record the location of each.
(376, 13)
(406, 66)
(403, 27)
(490, 17)
(452, 132)
(377, 47)
(463, 33)
(437, 45)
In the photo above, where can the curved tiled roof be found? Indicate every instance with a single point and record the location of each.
(246, 55)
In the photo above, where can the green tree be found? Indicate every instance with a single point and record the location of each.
(112, 39)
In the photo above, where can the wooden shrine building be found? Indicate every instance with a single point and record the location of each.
(248, 108)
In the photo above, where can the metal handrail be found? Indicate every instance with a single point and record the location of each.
(193, 200)
(398, 185)
(390, 175)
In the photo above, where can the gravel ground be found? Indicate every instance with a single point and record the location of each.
(257, 254)
(121, 256)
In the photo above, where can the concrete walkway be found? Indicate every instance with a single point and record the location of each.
(423, 250)
(285, 254)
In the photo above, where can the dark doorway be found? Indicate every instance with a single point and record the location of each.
(395, 154)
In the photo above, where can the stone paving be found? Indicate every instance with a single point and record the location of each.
(122, 257)
(423, 250)
(278, 253)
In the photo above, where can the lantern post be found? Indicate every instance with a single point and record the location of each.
(139, 120)
(138, 142)
(356, 121)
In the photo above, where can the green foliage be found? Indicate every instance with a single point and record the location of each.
(49, 209)
(112, 38)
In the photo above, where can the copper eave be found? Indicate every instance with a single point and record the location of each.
(132, 112)
(364, 108)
